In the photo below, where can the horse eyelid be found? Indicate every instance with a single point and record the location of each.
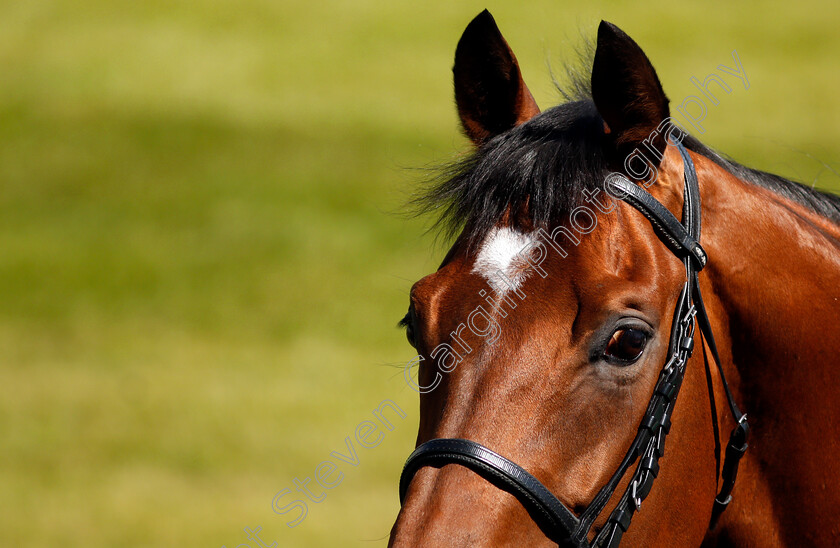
(403, 323)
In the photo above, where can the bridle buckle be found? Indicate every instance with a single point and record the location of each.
(637, 501)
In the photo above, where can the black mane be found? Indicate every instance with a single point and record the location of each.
(543, 166)
(825, 203)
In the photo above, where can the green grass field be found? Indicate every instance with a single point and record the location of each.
(202, 255)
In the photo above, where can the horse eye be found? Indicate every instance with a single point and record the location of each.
(626, 345)
(408, 323)
(409, 334)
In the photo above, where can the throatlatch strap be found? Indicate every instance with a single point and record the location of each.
(739, 437)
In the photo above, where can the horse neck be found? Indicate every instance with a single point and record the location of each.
(775, 267)
(773, 280)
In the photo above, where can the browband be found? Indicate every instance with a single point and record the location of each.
(667, 227)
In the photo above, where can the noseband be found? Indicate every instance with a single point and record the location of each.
(555, 519)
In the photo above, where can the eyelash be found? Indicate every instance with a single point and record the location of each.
(408, 325)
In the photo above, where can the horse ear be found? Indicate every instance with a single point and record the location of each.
(627, 91)
(489, 90)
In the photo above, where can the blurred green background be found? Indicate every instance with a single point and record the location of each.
(202, 255)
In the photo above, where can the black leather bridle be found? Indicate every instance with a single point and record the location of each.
(555, 519)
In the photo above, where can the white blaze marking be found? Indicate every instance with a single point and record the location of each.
(500, 252)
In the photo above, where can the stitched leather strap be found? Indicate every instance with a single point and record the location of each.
(495, 468)
(667, 227)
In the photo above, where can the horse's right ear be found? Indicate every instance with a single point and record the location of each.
(489, 90)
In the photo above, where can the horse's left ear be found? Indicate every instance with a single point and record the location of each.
(627, 91)
(489, 90)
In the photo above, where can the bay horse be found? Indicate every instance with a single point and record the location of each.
(544, 400)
